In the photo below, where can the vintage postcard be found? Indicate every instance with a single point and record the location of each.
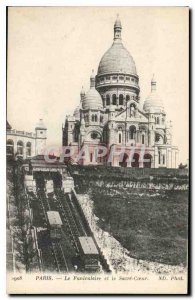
(97, 150)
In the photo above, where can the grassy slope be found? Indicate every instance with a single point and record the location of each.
(151, 226)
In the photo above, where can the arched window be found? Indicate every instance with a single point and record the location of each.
(157, 120)
(143, 138)
(107, 100)
(20, 147)
(114, 99)
(92, 118)
(121, 99)
(94, 135)
(10, 147)
(28, 149)
(101, 119)
(95, 118)
(127, 98)
(120, 137)
(132, 132)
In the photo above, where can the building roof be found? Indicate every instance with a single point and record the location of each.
(42, 162)
(54, 218)
(88, 245)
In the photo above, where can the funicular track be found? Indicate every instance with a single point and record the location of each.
(74, 220)
(59, 257)
(68, 219)
(73, 228)
(55, 248)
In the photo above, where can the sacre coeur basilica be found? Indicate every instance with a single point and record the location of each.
(110, 116)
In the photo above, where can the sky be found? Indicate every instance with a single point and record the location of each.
(52, 51)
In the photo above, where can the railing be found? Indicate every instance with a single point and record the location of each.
(20, 132)
(112, 83)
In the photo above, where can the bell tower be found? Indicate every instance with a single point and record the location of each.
(40, 137)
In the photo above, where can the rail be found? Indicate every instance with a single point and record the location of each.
(59, 257)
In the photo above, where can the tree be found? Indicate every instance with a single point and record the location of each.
(181, 166)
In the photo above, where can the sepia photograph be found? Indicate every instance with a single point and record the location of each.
(97, 150)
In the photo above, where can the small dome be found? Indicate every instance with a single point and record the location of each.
(40, 125)
(153, 102)
(117, 60)
(92, 100)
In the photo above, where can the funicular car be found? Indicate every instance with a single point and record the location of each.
(55, 224)
(89, 254)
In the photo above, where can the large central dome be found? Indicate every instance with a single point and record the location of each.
(117, 58)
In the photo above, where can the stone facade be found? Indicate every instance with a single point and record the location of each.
(26, 144)
(110, 114)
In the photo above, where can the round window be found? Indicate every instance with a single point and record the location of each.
(94, 135)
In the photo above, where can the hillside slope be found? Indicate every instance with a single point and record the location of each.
(151, 224)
